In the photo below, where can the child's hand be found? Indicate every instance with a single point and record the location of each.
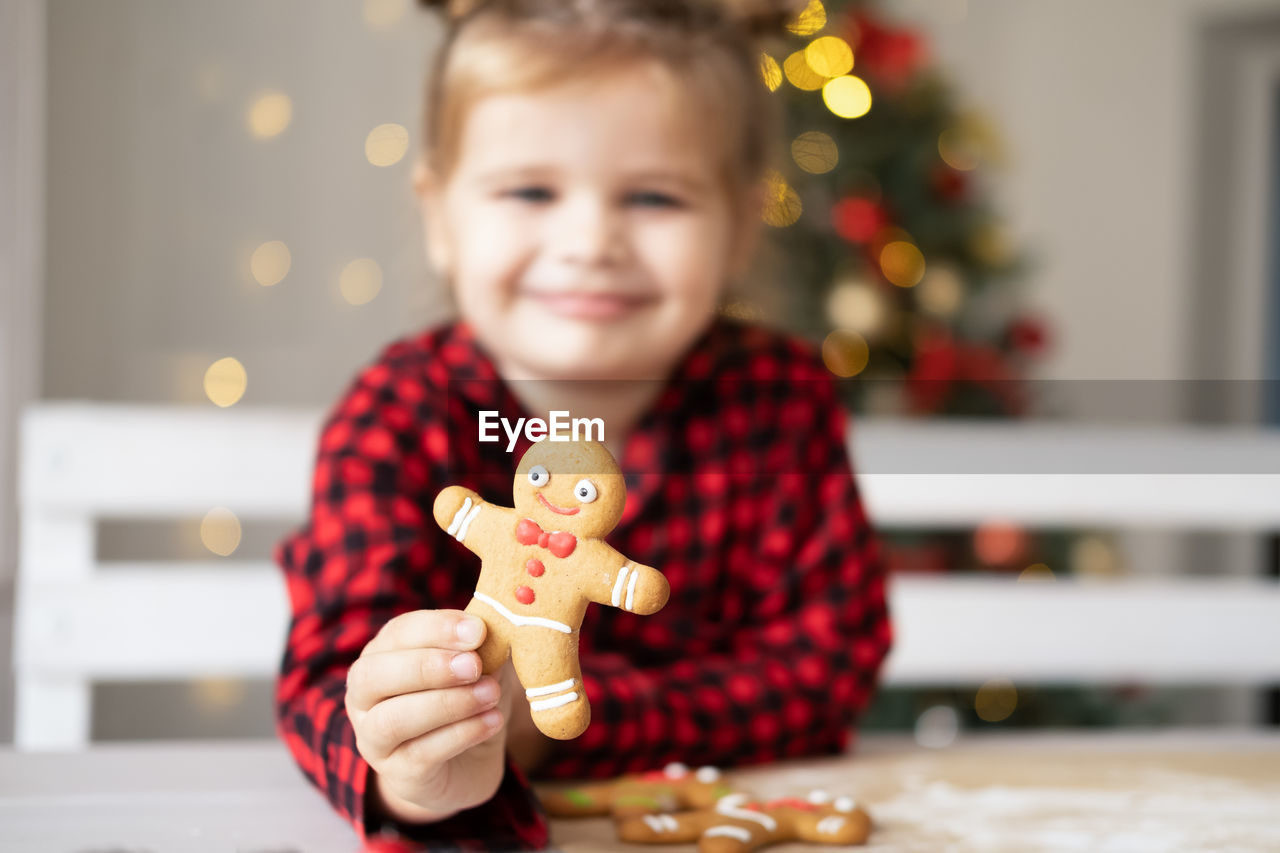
(424, 718)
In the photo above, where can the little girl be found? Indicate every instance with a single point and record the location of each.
(591, 182)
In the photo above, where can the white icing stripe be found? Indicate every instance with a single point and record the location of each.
(553, 702)
(546, 691)
(458, 516)
(522, 620)
(631, 589)
(728, 806)
(707, 775)
(466, 522)
(830, 825)
(731, 831)
(617, 586)
(845, 804)
(661, 822)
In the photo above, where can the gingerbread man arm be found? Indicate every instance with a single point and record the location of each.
(625, 584)
(469, 518)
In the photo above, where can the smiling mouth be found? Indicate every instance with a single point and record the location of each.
(556, 509)
(590, 306)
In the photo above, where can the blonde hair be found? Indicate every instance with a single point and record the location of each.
(712, 47)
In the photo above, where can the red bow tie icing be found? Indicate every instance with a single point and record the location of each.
(560, 543)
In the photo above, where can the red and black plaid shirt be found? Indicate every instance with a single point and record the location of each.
(739, 491)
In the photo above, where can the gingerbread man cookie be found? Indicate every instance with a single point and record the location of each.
(737, 825)
(542, 563)
(671, 789)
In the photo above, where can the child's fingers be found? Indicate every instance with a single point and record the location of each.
(438, 629)
(400, 719)
(446, 742)
(381, 675)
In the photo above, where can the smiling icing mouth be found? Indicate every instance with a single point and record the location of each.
(554, 508)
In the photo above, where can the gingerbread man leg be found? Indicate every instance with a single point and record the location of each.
(552, 679)
(496, 647)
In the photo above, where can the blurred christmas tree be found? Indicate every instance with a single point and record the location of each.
(895, 258)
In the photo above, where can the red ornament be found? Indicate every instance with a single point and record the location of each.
(949, 184)
(1028, 335)
(858, 220)
(934, 370)
(890, 56)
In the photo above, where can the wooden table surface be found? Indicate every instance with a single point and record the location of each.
(1122, 791)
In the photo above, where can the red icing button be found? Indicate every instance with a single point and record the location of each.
(524, 595)
(535, 568)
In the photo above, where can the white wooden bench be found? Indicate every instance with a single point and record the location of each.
(81, 620)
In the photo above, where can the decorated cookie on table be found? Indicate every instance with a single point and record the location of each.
(541, 563)
(674, 788)
(737, 824)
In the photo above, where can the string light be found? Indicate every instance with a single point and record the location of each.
(220, 531)
(800, 74)
(270, 114)
(847, 96)
(845, 353)
(959, 149)
(360, 281)
(815, 152)
(940, 292)
(858, 305)
(902, 263)
(995, 700)
(225, 382)
(829, 56)
(782, 205)
(270, 263)
(770, 72)
(1036, 572)
(386, 144)
(810, 20)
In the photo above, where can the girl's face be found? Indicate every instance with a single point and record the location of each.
(585, 228)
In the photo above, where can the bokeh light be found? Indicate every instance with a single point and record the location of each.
(999, 543)
(220, 531)
(218, 694)
(225, 382)
(360, 281)
(995, 700)
(1036, 572)
(858, 305)
(1093, 556)
(383, 14)
(810, 20)
(845, 353)
(781, 203)
(847, 96)
(829, 56)
(270, 263)
(992, 244)
(902, 263)
(270, 114)
(959, 149)
(798, 72)
(770, 72)
(815, 152)
(937, 727)
(386, 144)
(941, 291)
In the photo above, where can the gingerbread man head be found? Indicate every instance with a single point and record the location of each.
(574, 487)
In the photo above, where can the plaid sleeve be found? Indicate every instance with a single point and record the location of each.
(360, 559)
(798, 670)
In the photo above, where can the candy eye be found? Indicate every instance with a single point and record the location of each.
(538, 475)
(585, 491)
